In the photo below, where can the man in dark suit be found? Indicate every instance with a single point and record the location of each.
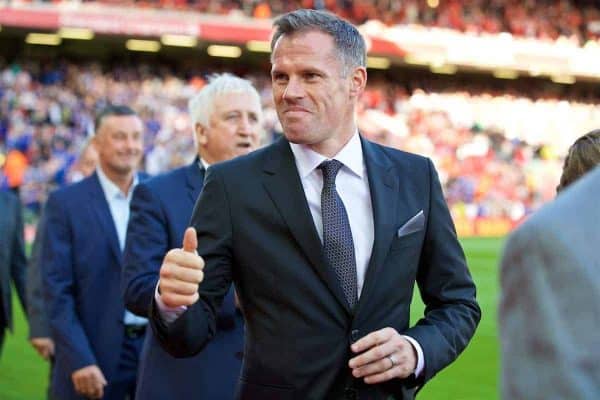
(226, 115)
(12, 259)
(549, 310)
(97, 342)
(324, 235)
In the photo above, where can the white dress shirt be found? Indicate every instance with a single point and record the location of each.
(352, 185)
(118, 203)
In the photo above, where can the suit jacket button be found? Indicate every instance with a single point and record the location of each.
(354, 335)
(350, 393)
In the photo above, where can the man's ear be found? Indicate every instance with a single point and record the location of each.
(200, 132)
(358, 81)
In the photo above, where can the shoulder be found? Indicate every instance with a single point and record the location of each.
(247, 164)
(164, 181)
(73, 192)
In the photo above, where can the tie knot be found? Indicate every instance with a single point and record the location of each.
(330, 170)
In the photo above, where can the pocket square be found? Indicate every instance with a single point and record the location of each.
(414, 224)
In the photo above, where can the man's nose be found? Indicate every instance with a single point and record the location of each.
(294, 89)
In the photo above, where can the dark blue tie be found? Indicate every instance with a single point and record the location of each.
(337, 236)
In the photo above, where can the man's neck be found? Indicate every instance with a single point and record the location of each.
(330, 147)
(122, 181)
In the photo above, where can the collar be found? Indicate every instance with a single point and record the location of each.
(203, 164)
(351, 155)
(111, 190)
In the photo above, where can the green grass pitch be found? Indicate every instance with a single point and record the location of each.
(474, 376)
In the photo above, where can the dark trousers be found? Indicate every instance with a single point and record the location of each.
(122, 385)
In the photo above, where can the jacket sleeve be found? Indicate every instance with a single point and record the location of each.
(18, 261)
(146, 245)
(446, 287)
(188, 335)
(36, 307)
(59, 284)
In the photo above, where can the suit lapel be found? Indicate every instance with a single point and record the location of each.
(194, 177)
(283, 184)
(101, 210)
(383, 185)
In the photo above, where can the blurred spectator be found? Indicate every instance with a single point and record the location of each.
(498, 153)
(573, 20)
(582, 157)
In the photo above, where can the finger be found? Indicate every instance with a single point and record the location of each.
(190, 240)
(396, 372)
(184, 259)
(172, 272)
(86, 386)
(101, 378)
(372, 339)
(173, 300)
(374, 354)
(178, 287)
(376, 367)
(45, 353)
(97, 390)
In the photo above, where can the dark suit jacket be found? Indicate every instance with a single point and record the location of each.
(81, 272)
(160, 212)
(36, 306)
(12, 257)
(255, 229)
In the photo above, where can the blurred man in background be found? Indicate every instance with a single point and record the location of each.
(550, 302)
(227, 120)
(97, 343)
(582, 157)
(12, 259)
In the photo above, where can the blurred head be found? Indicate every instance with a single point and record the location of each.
(88, 159)
(582, 157)
(318, 73)
(227, 118)
(118, 139)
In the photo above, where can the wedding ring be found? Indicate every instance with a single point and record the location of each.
(392, 360)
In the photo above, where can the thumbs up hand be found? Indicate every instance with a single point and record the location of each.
(181, 273)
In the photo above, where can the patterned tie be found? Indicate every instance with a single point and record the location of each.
(337, 236)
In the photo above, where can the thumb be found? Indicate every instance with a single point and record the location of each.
(190, 241)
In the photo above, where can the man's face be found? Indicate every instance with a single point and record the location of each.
(88, 161)
(234, 129)
(314, 100)
(119, 142)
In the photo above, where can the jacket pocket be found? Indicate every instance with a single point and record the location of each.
(253, 391)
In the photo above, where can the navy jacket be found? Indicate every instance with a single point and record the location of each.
(81, 272)
(12, 257)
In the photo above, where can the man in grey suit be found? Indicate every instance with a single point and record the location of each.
(12, 258)
(550, 304)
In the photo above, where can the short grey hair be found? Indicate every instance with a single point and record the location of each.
(348, 40)
(201, 105)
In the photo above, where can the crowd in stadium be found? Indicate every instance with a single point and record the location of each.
(498, 155)
(542, 19)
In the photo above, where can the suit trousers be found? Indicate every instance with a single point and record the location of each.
(122, 386)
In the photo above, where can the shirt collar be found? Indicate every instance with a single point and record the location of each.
(202, 163)
(351, 155)
(109, 188)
